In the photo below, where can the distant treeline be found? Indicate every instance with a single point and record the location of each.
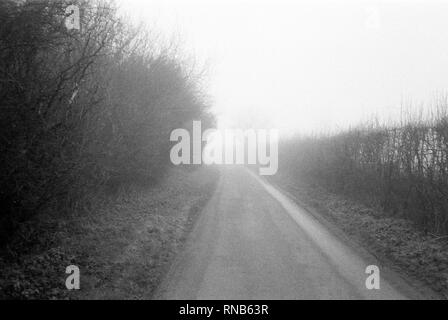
(81, 109)
(403, 167)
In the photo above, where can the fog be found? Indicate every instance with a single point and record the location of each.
(308, 66)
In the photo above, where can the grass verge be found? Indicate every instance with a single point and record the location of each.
(122, 244)
(421, 257)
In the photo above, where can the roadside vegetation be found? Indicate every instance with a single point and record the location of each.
(403, 167)
(85, 117)
(122, 245)
(84, 110)
(385, 184)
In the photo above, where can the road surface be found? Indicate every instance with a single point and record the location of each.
(252, 242)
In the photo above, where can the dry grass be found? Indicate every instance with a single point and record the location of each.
(122, 245)
(423, 257)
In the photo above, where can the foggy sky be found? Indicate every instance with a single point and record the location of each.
(309, 66)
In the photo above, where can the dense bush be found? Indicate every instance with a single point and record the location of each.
(403, 167)
(83, 108)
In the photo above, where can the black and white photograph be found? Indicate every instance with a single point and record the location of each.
(234, 152)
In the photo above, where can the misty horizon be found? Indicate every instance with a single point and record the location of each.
(308, 67)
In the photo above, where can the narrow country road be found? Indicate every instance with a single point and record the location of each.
(251, 242)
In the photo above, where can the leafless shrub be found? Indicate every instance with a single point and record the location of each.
(402, 167)
(80, 109)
